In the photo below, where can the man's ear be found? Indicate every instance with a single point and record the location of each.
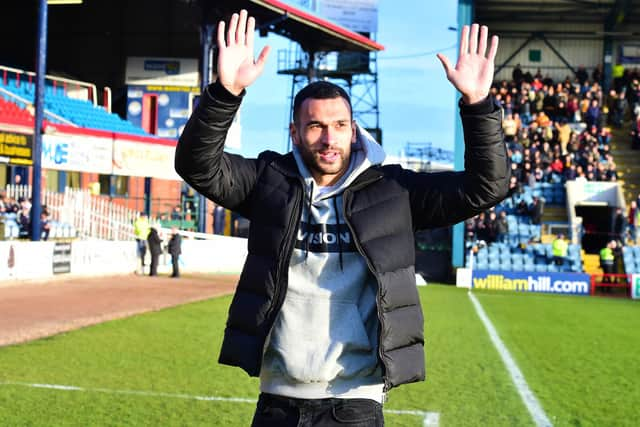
(354, 131)
(293, 132)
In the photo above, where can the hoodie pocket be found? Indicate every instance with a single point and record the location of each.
(317, 340)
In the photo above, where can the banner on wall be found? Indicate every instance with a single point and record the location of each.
(155, 160)
(61, 258)
(16, 148)
(635, 286)
(173, 107)
(356, 15)
(162, 71)
(81, 153)
(554, 283)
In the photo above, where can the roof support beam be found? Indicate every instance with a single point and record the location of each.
(517, 51)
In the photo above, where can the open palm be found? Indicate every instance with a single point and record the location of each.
(473, 73)
(237, 68)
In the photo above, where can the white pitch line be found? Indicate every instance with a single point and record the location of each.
(430, 419)
(540, 418)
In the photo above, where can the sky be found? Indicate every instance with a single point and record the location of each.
(415, 99)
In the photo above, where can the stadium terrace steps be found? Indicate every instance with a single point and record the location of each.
(627, 162)
(554, 214)
(591, 263)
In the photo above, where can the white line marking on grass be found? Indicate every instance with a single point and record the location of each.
(132, 392)
(529, 399)
(430, 419)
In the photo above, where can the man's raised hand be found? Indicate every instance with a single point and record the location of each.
(473, 74)
(237, 68)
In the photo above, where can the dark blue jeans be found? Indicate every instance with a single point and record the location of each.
(280, 411)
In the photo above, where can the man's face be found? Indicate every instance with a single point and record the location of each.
(324, 134)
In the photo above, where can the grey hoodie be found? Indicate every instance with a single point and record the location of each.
(324, 342)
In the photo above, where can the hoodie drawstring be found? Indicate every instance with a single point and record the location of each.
(335, 207)
(309, 219)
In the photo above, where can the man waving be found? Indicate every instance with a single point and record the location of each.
(326, 311)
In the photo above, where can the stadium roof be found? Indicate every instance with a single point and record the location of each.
(310, 31)
(612, 14)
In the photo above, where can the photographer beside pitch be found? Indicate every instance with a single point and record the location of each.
(326, 311)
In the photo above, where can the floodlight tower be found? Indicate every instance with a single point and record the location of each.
(355, 71)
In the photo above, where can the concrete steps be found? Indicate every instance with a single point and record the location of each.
(591, 263)
(627, 162)
(554, 214)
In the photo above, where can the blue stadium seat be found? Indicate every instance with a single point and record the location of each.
(482, 266)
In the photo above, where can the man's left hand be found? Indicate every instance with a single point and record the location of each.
(473, 73)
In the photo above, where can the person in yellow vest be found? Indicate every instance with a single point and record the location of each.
(141, 229)
(607, 261)
(559, 248)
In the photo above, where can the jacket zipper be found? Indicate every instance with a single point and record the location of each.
(287, 247)
(347, 220)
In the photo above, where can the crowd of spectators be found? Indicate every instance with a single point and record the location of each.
(558, 131)
(19, 210)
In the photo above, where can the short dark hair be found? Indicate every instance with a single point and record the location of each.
(320, 89)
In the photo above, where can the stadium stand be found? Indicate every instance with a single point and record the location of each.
(80, 112)
(556, 132)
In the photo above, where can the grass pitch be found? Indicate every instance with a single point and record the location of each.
(579, 356)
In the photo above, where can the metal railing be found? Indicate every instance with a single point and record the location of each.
(93, 217)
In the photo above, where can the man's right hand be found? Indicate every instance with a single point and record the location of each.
(237, 68)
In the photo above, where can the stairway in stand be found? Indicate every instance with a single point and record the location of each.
(627, 162)
(591, 263)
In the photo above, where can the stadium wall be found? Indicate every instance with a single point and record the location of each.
(48, 260)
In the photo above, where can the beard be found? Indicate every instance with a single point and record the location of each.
(324, 162)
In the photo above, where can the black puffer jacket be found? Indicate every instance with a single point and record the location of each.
(383, 207)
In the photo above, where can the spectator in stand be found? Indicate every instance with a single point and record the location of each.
(492, 227)
(550, 103)
(634, 96)
(619, 109)
(45, 226)
(573, 109)
(632, 217)
(635, 134)
(564, 134)
(612, 173)
(502, 227)
(524, 108)
(155, 249)
(619, 225)
(592, 116)
(470, 229)
(559, 248)
(517, 75)
(24, 222)
(510, 128)
(536, 210)
(481, 227)
(596, 76)
(582, 75)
